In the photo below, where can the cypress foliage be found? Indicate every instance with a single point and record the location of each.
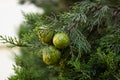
(94, 50)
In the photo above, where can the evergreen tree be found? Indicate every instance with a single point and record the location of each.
(93, 53)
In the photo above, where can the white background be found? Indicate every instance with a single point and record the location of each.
(10, 19)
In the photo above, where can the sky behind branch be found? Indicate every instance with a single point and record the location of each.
(10, 19)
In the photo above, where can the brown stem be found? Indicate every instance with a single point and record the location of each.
(93, 9)
(71, 26)
(114, 7)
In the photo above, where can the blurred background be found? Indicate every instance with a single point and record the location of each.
(10, 19)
